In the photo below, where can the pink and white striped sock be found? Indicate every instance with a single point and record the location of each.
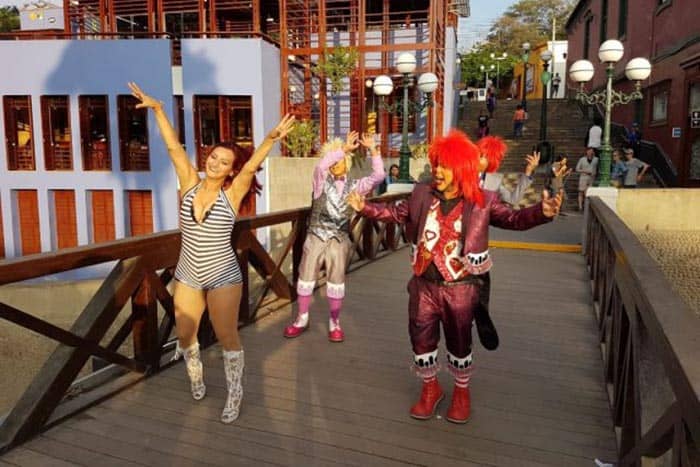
(335, 305)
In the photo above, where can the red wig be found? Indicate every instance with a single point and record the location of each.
(241, 155)
(494, 149)
(457, 153)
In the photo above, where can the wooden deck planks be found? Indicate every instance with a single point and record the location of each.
(537, 400)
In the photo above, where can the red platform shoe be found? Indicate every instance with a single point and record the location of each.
(430, 397)
(460, 407)
(298, 327)
(335, 333)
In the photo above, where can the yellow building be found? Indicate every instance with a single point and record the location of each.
(533, 75)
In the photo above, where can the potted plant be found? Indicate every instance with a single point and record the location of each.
(301, 140)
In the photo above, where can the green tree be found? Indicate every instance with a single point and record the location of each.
(525, 21)
(529, 21)
(336, 65)
(9, 19)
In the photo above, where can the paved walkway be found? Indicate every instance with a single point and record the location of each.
(564, 230)
(537, 400)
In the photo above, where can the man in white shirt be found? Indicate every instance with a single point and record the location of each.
(587, 167)
(595, 134)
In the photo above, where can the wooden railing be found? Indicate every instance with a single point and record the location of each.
(141, 274)
(650, 344)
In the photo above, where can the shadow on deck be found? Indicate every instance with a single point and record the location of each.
(537, 400)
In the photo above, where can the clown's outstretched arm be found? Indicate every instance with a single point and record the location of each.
(367, 184)
(505, 217)
(329, 159)
(385, 212)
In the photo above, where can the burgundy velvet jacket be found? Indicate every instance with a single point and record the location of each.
(475, 219)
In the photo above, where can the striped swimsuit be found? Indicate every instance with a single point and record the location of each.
(207, 259)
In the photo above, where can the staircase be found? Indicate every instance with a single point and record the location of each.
(566, 131)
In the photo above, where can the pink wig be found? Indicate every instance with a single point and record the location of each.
(494, 149)
(456, 152)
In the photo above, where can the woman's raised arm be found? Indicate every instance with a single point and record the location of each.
(241, 183)
(186, 172)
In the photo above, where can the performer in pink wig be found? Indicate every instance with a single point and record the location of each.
(328, 240)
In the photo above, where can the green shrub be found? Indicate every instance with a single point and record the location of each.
(301, 140)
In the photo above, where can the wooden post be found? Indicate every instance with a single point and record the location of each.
(244, 310)
(145, 325)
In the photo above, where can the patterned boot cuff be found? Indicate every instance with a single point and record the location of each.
(426, 365)
(459, 366)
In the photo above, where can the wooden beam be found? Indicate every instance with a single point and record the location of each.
(64, 337)
(266, 267)
(160, 248)
(63, 365)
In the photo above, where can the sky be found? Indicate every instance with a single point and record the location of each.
(477, 26)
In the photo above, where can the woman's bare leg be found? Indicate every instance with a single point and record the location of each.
(223, 304)
(189, 307)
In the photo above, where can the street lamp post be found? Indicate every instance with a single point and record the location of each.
(526, 58)
(636, 70)
(546, 56)
(383, 85)
(498, 59)
(368, 85)
(371, 120)
(486, 69)
(458, 86)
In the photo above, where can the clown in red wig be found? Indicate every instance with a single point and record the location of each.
(447, 223)
(494, 149)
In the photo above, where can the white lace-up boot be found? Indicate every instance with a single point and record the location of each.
(195, 369)
(234, 363)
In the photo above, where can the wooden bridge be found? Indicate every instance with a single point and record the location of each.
(544, 397)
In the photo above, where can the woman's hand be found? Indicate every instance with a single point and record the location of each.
(356, 201)
(551, 206)
(351, 142)
(283, 128)
(145, 101)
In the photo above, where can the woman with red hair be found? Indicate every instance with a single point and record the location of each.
(447, 223)
(207, 273)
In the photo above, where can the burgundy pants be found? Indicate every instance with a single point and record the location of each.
(430, 304)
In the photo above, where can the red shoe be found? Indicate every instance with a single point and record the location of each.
(336, 335)
(294, 331)
(460, 407)
(430, 397)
